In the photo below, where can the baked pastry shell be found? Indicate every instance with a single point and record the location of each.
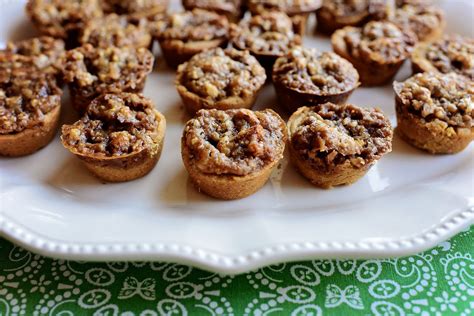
(429, 136)
(30, 140)
(230, 187)
(371, 73)
(126, 167)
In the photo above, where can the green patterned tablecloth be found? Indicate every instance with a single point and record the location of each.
(439, 281)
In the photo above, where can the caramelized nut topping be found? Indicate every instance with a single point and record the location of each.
(236, 142)
(114, 30)
(136, 8)
(334, 134)
(26, 94)
(214, 5)
(382, 42)
(114, 125)
(45, 52)
(58, 17)
(310, 71)
(421, 20)
(344, 8)
(195, 25)
(271, 33)
(444, 97)
(218, 74)
(452, 54)
(99, 70)
(287, 6)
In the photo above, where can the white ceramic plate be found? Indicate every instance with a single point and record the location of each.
(407, 202)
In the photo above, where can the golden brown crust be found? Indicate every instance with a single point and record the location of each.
(219, 79)
(308, 77)
(239, 180)
(30, 140)
(333, 145)
(126, 142)
(379, 55)
(182, 35)
(435, 113)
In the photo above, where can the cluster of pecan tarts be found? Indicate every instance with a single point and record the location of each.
(102, 51)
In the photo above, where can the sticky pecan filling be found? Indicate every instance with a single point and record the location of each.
(448, 98)
(26, 94)
(236, 142)
(114, 125)
(330, 135)
(218, 74)
(310, 71)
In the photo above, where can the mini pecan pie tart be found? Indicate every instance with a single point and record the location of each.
(182, 35)
(232, 9)
(332, 145)
(336, 14)
(435, 112)
(30, 105)
(136, 9)
(377, 50)
(297, 9)
(62, 18)
(450, 54)
(91, 72)
(119, 138)
(231, 154)
(426, 22)
(45, 51)
(220, 79)
(115, 30)
(267, 36)
(307, 76)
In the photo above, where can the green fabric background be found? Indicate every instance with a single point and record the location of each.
(439, 281)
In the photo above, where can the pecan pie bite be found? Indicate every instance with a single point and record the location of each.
(307, 76)
(119, 138)
(91, 72)
(45, 51)
(115, 30)
(336, 14)
(435, 112)
(426, 22)
(297, 9)
(232, 9)
(62, 18)
(332, 145)
(267, 36)
(30, 105)
(450, 54)
(136, 9)
(182, 35)
(377, 50)
(220, 79)
(231, 154)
